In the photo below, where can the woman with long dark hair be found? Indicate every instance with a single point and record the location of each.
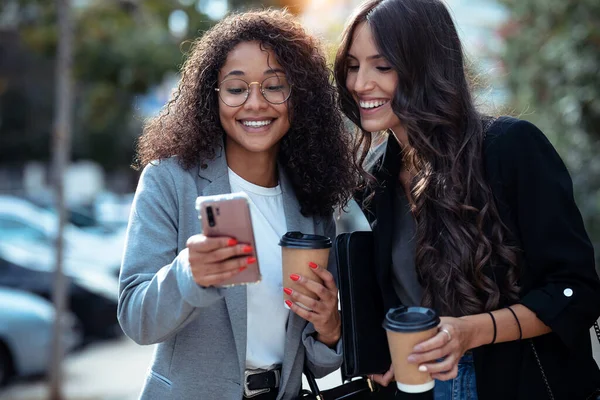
(473, 216)
(254, 112)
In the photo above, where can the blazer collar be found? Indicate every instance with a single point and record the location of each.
(215, 168)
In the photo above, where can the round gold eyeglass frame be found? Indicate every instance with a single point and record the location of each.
(262, 91)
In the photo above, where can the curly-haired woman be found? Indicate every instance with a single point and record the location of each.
(472, 216)
(254, 111)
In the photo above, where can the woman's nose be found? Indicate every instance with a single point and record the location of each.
(363, 82)
(256, 100)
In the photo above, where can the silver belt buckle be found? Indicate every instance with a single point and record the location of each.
(251, 393)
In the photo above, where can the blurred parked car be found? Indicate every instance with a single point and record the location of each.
(92, 297)
(84, 216)
(95, 309)
(26, 323)
(112, 209)
(23, 222)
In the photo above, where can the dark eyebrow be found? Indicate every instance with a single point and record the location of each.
(235, 72)
(274, 71)
(270, 71)
(373, 57)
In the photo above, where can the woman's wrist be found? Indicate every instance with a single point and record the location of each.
(480, 330)
(330, 339)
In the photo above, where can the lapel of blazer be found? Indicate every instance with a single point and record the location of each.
(216, 173)
(387, 176)
(295, 221)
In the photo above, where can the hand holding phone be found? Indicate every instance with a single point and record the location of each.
(226, 222)
(215, 261)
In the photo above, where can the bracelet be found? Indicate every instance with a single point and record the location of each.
(518, 322)
(495, 330)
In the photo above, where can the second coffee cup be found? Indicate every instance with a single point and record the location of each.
(407, 327)
(298, 250)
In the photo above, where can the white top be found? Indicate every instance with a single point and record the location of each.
(267, 316)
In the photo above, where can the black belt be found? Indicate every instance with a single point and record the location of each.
(259, 381)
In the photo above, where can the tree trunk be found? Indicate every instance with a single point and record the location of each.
(60, 160)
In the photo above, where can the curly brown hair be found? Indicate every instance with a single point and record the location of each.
(459, 232)
(315, 152)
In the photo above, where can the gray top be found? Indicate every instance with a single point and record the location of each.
(405, 281)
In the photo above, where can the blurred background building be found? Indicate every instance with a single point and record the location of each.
(536, 59)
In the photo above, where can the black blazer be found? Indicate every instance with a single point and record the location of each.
(534, 195)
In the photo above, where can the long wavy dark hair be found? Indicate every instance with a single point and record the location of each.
(315, 152)
(458, 227)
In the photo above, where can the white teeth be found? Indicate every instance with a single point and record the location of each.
(256, 124)
(372, 104)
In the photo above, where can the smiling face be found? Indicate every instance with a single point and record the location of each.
(372, 82)
(257, 125)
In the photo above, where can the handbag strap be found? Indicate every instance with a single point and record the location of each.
(539, 363)
(312, 383)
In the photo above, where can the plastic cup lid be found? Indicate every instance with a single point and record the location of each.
(410, 319)
(299, 240)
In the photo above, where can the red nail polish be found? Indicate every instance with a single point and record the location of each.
(313, 265)
(231, 242)
(247, 249)
(289, 303)
(295, 277)
(250, 260)
(287, 291)
(242, 268)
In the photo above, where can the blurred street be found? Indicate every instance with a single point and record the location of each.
(109, 370)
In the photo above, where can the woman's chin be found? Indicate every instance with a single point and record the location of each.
(373, 126)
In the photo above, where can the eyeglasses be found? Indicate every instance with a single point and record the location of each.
(235, 92)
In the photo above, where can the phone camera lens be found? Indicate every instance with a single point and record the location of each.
(210, 216)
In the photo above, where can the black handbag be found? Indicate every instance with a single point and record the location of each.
(365, 346)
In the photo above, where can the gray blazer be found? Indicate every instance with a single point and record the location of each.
(200, 332)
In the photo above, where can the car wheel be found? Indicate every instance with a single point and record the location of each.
(5, 364)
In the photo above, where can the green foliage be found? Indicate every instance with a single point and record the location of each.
(121, 50)
(553, 58)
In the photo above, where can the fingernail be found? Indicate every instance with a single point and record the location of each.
(247, 249)
(231, 242)
(411, 359)
(423, 368)
(295, 277)
(242, 268)
(289, 303)
(250, 260)
(313, 265)
(287, 291)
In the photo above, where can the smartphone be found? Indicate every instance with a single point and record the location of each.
(229, 215)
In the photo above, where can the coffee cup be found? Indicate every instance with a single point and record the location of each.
(298, 250)
(407, 327)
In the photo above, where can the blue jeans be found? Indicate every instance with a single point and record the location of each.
(463, 387)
